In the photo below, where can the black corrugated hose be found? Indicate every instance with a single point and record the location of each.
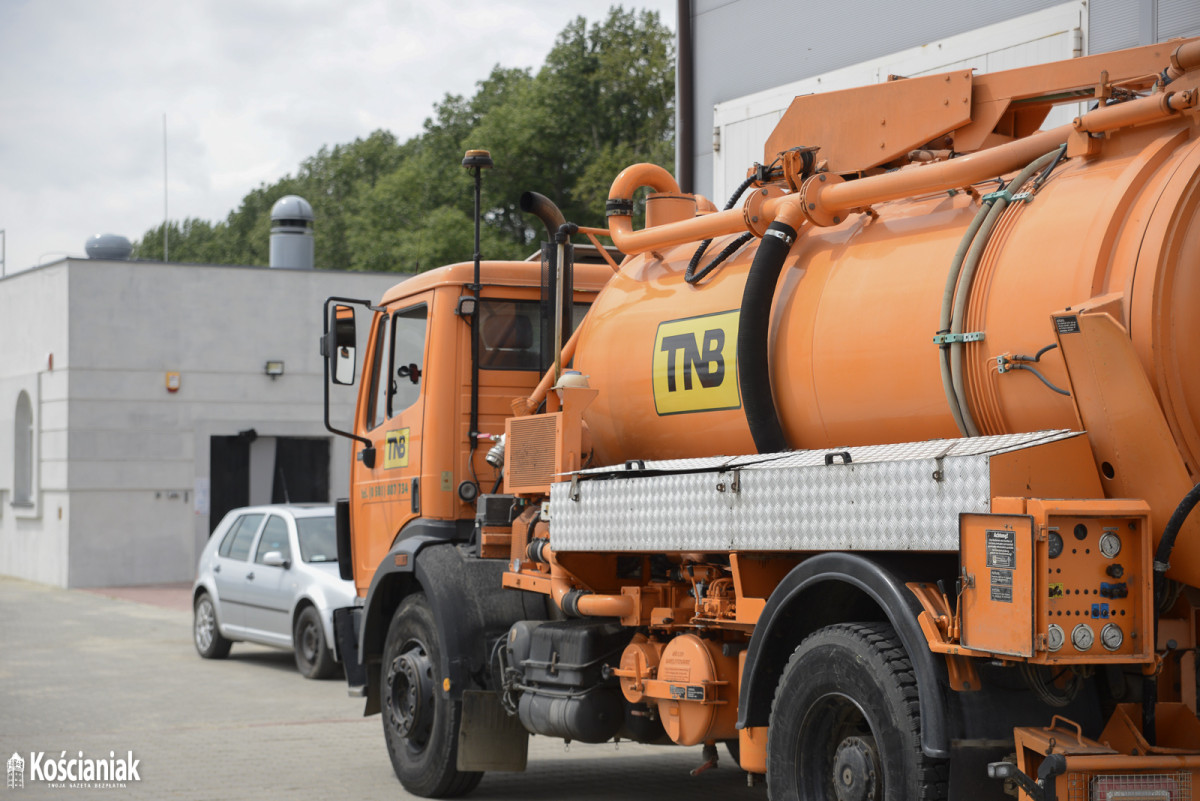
(754, 369)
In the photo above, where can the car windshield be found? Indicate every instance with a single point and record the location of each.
(318, 539)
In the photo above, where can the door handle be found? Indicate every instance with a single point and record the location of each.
(216, 568)
(249, 577)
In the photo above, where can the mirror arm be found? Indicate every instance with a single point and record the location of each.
(369, 451)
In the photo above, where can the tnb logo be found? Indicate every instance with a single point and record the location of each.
(695, 364)
(16, 772)
(396, 449)
(706, 362)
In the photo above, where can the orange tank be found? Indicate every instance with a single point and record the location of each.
(852, 354)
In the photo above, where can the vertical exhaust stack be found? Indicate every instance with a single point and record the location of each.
(292, 233)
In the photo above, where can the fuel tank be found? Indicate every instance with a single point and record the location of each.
(851, 346)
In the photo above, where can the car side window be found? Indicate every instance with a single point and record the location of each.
(274, 538)
(236, 544)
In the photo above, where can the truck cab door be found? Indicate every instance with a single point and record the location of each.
(388, 493)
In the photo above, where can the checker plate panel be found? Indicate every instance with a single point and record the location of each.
(886, 499)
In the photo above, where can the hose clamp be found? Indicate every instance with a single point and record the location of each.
(619, 207)
(781, 235)
(950, 339)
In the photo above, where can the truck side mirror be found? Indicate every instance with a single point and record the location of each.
(340, 345)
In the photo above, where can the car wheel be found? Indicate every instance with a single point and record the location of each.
(205, 632)
(314, 660)
(420, 724)
(845, 723)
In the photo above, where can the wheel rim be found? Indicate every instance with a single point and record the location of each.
(408, 688)
(206, 624)
(310, 644)
(837, 757)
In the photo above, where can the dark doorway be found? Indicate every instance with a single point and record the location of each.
(301, 471)
(229, 476)
(247, 469)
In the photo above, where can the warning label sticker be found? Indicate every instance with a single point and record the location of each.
(1067, 325)
(1001, 559)
(1001, 549)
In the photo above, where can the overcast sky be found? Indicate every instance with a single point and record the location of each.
(250, 88)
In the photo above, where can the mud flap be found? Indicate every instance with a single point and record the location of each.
(488, 737)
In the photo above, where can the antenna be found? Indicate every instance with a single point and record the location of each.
(166, 228)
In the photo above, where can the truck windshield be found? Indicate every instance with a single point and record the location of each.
(510, 333)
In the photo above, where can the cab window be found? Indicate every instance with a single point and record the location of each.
(510, 333)
(408, 358)
(379, 368)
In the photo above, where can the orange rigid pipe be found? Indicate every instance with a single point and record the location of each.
(1185, 58)
(834, 199)
(620, 226)
(1135, 112)
(839, 198)
(539, 392)
(590, 605)
(944, 175)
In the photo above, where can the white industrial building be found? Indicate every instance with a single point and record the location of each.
(742, 61)
(141, 400)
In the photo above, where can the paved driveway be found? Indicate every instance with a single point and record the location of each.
(84, 672)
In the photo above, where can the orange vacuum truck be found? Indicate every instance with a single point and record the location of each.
(881, 478)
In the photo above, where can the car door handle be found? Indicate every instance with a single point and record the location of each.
(249, 577)
(216, 568)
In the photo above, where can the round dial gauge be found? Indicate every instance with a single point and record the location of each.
(1054, 544)
(1110, 545)
(1055, 637)
(1082, 637)
(1111, 636)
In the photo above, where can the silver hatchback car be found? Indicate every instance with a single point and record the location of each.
(269, 575)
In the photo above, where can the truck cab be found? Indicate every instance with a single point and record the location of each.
(416, 469)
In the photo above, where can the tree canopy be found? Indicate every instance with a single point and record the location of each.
(604, 99)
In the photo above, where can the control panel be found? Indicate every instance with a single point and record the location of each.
(1070, 581)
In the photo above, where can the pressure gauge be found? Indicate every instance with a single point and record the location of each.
(1055, 637)
(1111, 636)
(1054, 544)
(1110, 545)
(1082, 637)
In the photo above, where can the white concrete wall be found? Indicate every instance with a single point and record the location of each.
(138, 450)
(124, 472)
(34, 330)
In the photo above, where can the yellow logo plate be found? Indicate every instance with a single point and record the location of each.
(695, 364)
(396, 454)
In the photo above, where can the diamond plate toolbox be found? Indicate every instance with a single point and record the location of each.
(880, 497)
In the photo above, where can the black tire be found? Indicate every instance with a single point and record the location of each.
(420, 725)
(314, 659)
(734, 747)
(846, 710)
(206, 634)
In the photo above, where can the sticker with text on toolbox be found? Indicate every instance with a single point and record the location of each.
(695, 364)
(396, 452)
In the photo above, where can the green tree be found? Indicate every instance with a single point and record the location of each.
(603, 99)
